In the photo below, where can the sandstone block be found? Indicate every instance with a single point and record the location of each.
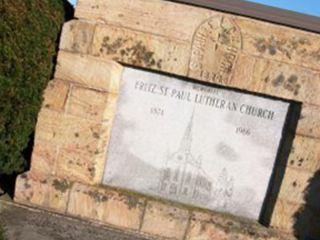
(280, 43)
(217, 226)
(83, 144)
(285, 215)
(100, 154)
(286, 81)
(165, 220)
(309, 122)
(156, 17)
(296, 218)
(82, 163)
(55, 95)
(110, 109)
(68, 131)
(305, 154)
(294, 184)
(87, 103)
(89, 71)
(107, 206)
(202, 227)
(43, 190)
(44, 155)
(77, 36)
(259, 38)
(243, 71)
(141, 49)
(76, 165)
(206, 232)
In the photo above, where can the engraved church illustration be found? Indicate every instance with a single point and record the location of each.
(183, 176)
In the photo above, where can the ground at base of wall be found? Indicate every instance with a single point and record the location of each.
(23, 223)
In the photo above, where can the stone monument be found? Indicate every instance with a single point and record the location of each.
(172, 120)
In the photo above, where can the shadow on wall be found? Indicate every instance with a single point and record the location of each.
(285, 148)
(307, 218)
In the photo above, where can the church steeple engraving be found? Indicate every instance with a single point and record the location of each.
(186, 142)
(183, 176)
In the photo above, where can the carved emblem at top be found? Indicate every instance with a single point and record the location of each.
(215, 47)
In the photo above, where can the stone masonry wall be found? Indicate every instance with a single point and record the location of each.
(76, 117)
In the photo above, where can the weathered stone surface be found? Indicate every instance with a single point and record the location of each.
(66, 130)
(141, 49)
(309, 122)
(286, 81)
(55, 95)
(294, 184)
(110, 107)
(214, 50)
(44, 156)
(205, 232)
(107, 206)
(280, 43)
(156, 17)
(101, 150)
(43, 190)
(305, 154)
(259, 38)
(87, 103)
(165, 220)
(283, 216)
(205, 226)
(243, 72)
(77, 36)
(83, 144)
(89, 71)
(76, 164)
(306, 222)
(74, 126)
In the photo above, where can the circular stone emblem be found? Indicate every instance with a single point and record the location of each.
(215, 47)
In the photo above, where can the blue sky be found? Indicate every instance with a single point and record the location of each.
(73, 2)
(311, 7)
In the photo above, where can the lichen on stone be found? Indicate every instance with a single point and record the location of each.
(96, 135)
(98, 196)
(130, 201)
(92, 171)
(61, 185)
(131, 50)
(291, 83)
(288, 47)
(234, 225)
(112, 47)
(27, 185)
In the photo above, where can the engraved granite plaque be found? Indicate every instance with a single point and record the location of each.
(200, 145)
